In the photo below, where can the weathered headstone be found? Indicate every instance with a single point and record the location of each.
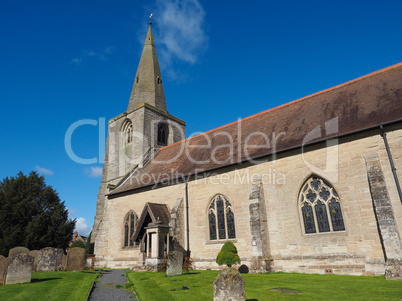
(174, 263)
(50, 259)
(19, 269)
(35, 255)
(229, 286)
(64, 262)
(17, 250)
(3, 269)
(75, 259)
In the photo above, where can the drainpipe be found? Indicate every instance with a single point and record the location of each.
(384, 136)
(187, 223)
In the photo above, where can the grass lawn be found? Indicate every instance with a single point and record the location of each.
(156, 286)
(51, 286)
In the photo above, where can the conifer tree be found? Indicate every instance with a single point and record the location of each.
(32, 215)
(228, 255)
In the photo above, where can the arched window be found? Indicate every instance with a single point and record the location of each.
(163, 133)
(127, 131)
(320, 207)
(130, 223)
(221, 219)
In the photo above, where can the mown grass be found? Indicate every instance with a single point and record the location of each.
(156, 286)
(51, 286)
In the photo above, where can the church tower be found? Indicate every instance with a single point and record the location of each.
(134, 136)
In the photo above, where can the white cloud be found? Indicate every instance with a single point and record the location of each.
(44, 170)
(92, 54)
(181, 30)
(82, 226)
(94, 172)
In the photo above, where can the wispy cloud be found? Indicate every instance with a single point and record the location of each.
(44, 170)
(181, 30)
(82, 226)
(94, 172)
(92, 54)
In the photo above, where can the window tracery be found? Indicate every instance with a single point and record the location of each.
(130, 224)
(221, 219)
(320, 207)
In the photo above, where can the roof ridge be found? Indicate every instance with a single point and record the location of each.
(292, 102)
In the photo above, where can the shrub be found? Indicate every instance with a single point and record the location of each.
(187, 264)
(78, 244)
(228, 255)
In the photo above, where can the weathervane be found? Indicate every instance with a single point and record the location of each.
(150, 18)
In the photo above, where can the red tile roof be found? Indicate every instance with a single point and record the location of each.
(359, 104)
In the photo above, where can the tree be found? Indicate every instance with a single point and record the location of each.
(78, 244)
(228, 255)
(32, 215)
(88, 244)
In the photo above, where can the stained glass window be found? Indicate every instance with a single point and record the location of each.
(322, 217)
(126, 235)
(129, 228)
(320, 207)
(231, 225)
(212, 226)
(221, 219)
(308, 218)
(336, 215)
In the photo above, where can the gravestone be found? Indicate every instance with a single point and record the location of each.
(64, 262)
(174, 263)
(229, 286)
(3, 269)
(35, 255)
(19, 269)
(75, 259)
(243, 269)
(50, 259)
(17, 250)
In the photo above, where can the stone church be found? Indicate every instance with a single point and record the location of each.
(311, 186)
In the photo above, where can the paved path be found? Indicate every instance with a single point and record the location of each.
(105, 289)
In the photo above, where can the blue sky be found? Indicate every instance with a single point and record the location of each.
(62, 62)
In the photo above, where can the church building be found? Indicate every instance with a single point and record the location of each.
(311, 186)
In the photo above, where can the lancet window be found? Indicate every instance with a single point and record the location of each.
(221, 219)
(320, 207)
(163, 132)
(127, 131)
(130, 223)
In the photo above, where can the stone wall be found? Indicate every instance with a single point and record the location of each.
(120, 159)
(357, 250)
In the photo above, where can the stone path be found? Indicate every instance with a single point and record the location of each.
(105, 289)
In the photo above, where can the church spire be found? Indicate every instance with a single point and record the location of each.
(148, 86)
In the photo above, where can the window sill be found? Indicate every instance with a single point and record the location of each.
(130, 248)
(220, 241)
(325, 233)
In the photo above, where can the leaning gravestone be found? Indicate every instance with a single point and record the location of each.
(174, 263)
(229, 286)
(50, 259)
(75, 259)
(35, 255)
(3, 269)
(17, 250)
(19, 269)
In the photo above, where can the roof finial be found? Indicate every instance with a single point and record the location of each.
(150, 18)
